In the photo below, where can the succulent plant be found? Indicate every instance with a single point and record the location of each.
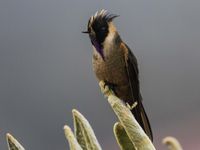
(13, 144)
(128, 133)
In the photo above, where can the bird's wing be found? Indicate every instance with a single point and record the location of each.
(132, 73)
(133, 77)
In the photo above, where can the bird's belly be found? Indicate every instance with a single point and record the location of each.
(113, 71)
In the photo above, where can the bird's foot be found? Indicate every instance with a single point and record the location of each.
(111, 86)
(106, 89)
(130, 107)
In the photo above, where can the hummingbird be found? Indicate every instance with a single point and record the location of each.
(115, 64)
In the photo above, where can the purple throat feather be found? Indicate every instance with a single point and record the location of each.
(99, 48)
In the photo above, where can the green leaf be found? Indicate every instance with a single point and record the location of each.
(172, 143)
(122, 138)
(73, 144)
(13, 144)
(84, 132)
(135, 133)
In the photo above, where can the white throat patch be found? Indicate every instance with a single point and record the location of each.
(110, 37)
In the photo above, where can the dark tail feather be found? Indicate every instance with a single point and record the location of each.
(141, 116)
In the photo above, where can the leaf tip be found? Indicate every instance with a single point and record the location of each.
(172, 143)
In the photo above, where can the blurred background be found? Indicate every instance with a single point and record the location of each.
(46, 69)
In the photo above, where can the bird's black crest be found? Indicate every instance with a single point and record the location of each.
(101, 17)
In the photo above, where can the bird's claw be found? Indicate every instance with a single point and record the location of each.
(105, 89)
(130, 107)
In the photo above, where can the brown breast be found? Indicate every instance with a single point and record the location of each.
(113, 70)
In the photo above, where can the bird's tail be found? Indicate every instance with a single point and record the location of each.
(141, 116)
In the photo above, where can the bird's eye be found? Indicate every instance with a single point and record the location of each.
(103, 28)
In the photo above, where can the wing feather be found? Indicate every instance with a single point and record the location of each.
(133, 77)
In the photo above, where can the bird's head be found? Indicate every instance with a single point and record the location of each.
(100, 27)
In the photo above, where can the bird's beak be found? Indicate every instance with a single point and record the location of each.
(86, 32)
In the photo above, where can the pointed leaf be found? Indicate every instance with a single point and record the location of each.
(126, 118)
(73, 144)
(84, 132)
(13, 144)
(122, 138)
(172, 143)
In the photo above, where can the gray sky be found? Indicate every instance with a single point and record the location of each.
(46, 69)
